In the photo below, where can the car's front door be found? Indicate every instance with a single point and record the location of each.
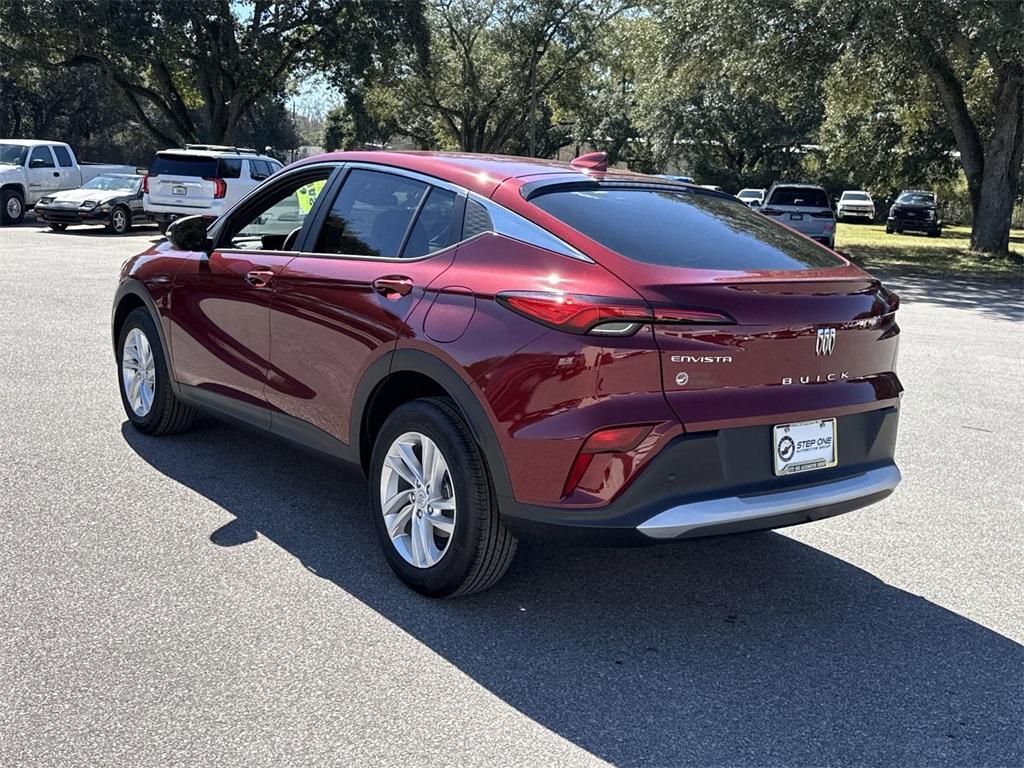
(220, 302)
(43, 176)
(341, 304)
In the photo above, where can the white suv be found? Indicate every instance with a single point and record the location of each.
(856, 204)
(201, 179)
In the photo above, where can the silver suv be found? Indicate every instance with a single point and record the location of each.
(805, 208)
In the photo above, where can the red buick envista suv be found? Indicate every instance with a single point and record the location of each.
(508, 346)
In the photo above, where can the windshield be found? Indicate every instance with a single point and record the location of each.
(751, 193)
(12, 154)
(682, 229)
(855, 196)
(128, 183)
(805, 197)
(916, 198)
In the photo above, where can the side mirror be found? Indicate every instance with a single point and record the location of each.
(37, 163)
(188, 234)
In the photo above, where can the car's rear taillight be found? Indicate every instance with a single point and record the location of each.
(220, 187)
(145, 184)
(599, 315)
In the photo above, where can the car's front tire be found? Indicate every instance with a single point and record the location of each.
(146, 393)
(120, 220)
(12, 207)
(433, 504)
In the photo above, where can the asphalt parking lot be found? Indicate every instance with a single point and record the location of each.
(216, 599)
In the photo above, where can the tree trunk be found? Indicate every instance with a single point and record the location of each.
(992, 199)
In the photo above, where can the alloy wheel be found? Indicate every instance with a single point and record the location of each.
(119, 220)
(417, 499)
(13, 208)
(138, 372)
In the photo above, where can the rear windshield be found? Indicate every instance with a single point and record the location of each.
(799, 196)
(195, 165)
(683, 229)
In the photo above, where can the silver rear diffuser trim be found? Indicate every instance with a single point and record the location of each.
(685, 518)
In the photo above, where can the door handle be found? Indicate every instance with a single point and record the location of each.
(259, 278)
(57, 174)
(393, 287)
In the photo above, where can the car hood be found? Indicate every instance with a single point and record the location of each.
(81, 195)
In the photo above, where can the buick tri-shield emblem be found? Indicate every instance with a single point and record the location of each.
(826, 342)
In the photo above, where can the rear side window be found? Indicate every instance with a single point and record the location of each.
(63, 156)
(229, 168)
(371, 215)
(259, 170)
(683, 229)
(433, 228)
(799, 196)
(183, 165)
(476, 221)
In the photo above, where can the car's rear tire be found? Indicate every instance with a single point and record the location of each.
(888, 230)
(12, 207)
(58, 227)
(144, 381)
(162, 226)
(120, 222)
(465, 547)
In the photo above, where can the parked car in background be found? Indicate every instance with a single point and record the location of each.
(804, 207)
(855, 204)
(915, 210)
(201, 179)
(517, 346)
(754, 198)
(31, 169)
(114, 200)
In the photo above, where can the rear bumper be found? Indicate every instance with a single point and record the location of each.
(165, 214)
(714, 483)
(701, 518)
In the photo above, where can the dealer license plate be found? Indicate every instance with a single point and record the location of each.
(179, 190)
(804, 446)
(796, 217)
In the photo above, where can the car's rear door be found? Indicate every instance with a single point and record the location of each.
(380, 238)
(220, 303)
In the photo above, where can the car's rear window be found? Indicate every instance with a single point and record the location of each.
(799, 196)
(682, 229)
(183, 165)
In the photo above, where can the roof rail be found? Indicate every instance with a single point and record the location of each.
(222, 148)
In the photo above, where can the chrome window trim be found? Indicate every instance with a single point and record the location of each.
(511, 225)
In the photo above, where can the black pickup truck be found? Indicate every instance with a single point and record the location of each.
(915, 211)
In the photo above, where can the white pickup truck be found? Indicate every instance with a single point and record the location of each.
(31, 169)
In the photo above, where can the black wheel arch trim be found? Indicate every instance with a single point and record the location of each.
(466, 401)
(132, 287)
